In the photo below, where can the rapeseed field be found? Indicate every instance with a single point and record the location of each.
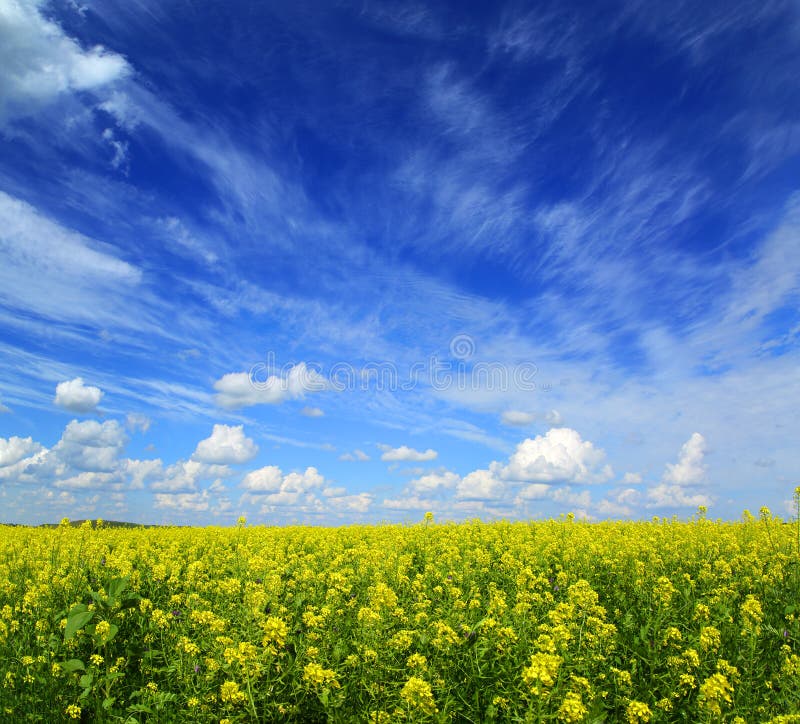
(550, 621)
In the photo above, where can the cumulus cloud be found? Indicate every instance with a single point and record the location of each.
(534, 491)
(516, 418)
(690, 468)
(357, 503)
(356, 455)
(75, 396)
(312, 412)
(559, 456)
(480, 485)
(186, 474)
(14, 449)
(89, 454)
(675, 496)
(632, 478)
(91, 446)
(406, 454)
(270, 488)
(240, 389)
(184, 502)
(537, 470)
(227, 445)
(434, 481)
(410, 503)
(41, 63)
(266, 480)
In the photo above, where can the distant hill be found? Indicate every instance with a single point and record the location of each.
(106, 524)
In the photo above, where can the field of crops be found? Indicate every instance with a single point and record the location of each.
(564, 621)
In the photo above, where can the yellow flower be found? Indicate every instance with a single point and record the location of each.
(73, 711)
(417, 661)
(710, 638)
(752, 615)
(417, 693)
(229, 693)
(715, 691)
(572, 708)
(638, 711)
(542, 670)
(315, 675)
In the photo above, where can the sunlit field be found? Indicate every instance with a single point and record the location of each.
(561, 620)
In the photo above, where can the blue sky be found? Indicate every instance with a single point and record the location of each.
(348, 262)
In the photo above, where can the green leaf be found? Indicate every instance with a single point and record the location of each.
(75, 622)
(108, 702)
(73, 665)
(117, 587)
(140, 708)
(86, 680)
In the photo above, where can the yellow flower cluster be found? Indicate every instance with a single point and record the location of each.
(417, 693)
(548, 620)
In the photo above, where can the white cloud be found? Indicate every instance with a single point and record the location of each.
(136, 421)
(120, 148)
(615, 510)
(267, 479)
(185, 474)
(517, 418)
(4, 408)
(690, 468)
(559, 456)
(240, 389)
(272, 489)
(312, 412)
(89, 446)
(411, 502)
(14, 449)
(434, 481)
(40, 62)
(583, 499)
(534, 491)
(405, 453)
(554, 418)
(227, 445)
(334, 492)
(672, 496)
(301, 482)
(480, 485)
(88, 455)
(141, 470)
(632, 478)
(356, 455)
(74, 396)
(358, 503)
(90, 480)
(629, 496)
(59, 274)
(184, 502)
